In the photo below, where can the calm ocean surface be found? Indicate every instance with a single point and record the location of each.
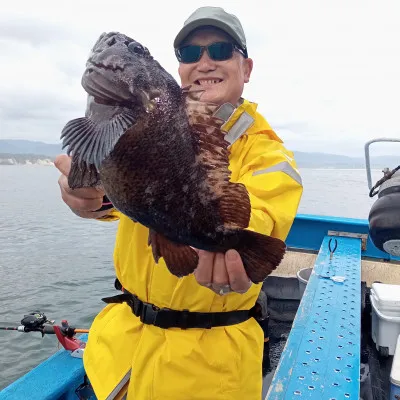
(55, 262)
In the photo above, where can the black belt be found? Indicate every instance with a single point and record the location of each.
(168, 318)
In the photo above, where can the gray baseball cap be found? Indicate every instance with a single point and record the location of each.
(213, 16)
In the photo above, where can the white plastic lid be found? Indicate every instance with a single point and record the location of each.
(392, 315)
(385, 308)
(395, 373)
(386, 295)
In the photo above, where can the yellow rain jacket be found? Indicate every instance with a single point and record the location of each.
(209, 364)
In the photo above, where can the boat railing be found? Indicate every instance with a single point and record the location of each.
(367, 156)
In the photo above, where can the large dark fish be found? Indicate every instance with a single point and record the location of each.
(161, 157)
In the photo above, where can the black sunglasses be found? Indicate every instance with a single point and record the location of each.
(219, 51)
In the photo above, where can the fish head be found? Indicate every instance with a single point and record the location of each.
(121, 71)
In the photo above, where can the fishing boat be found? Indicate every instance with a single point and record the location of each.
(322, 326)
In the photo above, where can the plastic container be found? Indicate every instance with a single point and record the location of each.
(385, 327)
(387, 297)
(303, 276)
(282, 288)
(395, 374)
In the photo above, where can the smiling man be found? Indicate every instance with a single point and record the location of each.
(196, 337)
(221, 69)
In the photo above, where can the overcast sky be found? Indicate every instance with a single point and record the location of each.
(326, 72)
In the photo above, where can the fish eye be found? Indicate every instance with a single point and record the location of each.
(137, 48)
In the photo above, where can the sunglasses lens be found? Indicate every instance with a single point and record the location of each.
(220, 51)
(189, 54)
(217, 51)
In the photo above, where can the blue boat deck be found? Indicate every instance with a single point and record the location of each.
(321, 359)
(55, 378)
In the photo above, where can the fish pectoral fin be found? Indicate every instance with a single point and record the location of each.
(81, 137)
(260, 254)
(181, 260)
(82, 175)
(91, 142)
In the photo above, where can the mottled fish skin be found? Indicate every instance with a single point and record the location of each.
(162, 159)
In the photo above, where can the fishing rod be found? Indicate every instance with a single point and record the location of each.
(38, 322)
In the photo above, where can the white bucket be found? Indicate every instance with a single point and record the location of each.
(303, 276)
(385, 327)
(395, 374)
(386, 297)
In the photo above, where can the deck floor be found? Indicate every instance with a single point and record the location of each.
(371, 271)
(283, 298)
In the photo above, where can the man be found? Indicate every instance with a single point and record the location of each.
(191, 361)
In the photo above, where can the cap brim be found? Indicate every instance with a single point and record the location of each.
(184, 32)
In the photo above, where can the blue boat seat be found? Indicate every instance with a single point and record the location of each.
(321, 359)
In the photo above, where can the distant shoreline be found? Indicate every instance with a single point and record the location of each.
(41, 163)
(26, 152)
(25, 159)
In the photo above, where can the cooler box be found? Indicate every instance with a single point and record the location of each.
(385, 301)
(395, 374)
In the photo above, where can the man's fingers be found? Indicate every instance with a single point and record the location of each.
(63, 164)
(84, 193)
(219, 271)
(82, 201)
(204, 271)
(81, 204)
(220, 277)
(238, 279)
(90, 214)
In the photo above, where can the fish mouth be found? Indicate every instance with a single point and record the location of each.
(107, 70)
(115, 71)
(102, 82)
(97, 67)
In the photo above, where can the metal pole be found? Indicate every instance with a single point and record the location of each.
(367, 159)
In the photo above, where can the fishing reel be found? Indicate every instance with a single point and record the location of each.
(38, 322)
(384, 216)
(34, 322)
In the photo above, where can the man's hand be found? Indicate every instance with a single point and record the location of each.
(222, 273)
(81, 201)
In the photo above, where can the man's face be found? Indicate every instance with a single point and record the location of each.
(223, 81)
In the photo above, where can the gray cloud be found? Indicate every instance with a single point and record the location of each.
(33, 31)
(330, 91)
(34, 108)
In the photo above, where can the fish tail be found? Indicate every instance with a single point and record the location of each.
(261, 254)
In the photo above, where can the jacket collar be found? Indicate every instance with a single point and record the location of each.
(244, 119)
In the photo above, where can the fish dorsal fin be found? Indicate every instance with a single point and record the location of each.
(213, 159)
(194, 105)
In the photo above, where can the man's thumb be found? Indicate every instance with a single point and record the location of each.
(63, 163)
